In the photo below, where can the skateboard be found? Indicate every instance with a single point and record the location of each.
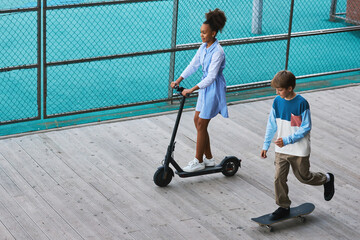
(295, 212)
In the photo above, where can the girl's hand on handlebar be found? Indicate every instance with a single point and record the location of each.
(177, 82)
(186, 92)
(173, 84)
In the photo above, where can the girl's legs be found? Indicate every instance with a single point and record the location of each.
(203, 140)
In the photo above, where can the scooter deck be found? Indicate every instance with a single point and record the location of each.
(207, 170)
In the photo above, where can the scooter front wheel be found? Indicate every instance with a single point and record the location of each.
(230, 166)
(161, 178)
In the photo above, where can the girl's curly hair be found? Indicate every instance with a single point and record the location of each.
(216, 19)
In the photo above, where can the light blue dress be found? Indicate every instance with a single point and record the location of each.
(212, 92)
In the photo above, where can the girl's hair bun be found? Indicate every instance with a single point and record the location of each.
(216, 19)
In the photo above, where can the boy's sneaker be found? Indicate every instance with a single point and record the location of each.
(209, 162)
(280, 213)
(194, 166)
(329, 188)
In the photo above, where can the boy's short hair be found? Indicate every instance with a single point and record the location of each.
(284, 79)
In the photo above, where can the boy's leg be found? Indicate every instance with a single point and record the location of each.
(281, 188)
(301, 169)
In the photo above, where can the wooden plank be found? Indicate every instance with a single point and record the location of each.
(4, 232)
(10, 225)
(31, 201)
(83, 215)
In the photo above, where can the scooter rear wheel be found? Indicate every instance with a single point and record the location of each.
(162, 180)
(230, 167)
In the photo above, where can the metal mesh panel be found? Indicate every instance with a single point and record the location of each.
(105, 84)
(71, 2)
(18, 96)
(84, 32)
(19, 48)
(275, 19)
(341, 6)
(325, 53)
(18, 4)
(18, 39)
(312, 15)
(251, 63)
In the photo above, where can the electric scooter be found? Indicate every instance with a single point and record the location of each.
(164, 174)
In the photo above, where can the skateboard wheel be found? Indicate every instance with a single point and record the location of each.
(269, 228)
(302, 219)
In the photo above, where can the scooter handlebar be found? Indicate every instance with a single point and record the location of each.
(179, 89)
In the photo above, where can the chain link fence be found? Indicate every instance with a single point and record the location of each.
(63, 57)
(19, 62)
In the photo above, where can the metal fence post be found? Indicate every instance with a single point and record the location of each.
(257, 12)
(173, 45)
(44, 63)
(289, 35)
(39, 57)
(333, 10)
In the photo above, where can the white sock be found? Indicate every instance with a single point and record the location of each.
(327, 177)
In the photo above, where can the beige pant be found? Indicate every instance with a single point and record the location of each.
(301, 169)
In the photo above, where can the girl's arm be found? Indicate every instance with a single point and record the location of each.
(193, 65)
(189, 91)
(216, 61)
(189, 70)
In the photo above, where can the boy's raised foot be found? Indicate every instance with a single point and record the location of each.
(329, 188)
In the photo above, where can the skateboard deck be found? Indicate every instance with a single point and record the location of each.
(295, 212)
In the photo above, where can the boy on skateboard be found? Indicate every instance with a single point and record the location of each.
(290, 118)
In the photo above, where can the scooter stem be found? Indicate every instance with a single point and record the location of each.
(182, 103)
(171, 146)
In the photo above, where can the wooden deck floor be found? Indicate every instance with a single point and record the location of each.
(95, 182)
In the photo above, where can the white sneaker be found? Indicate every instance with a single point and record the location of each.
(194, 166)
(209, 162)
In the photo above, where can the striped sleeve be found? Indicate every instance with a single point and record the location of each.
(271, 129)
